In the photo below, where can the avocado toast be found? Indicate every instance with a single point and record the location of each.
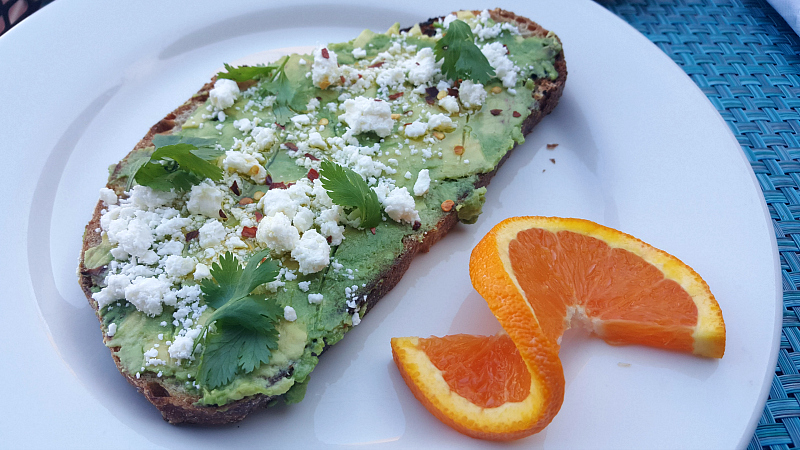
(251, 183)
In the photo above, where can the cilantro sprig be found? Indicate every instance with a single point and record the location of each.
(462, 58)
(178, 162)
(347, 188)
(290, 99)
(244, 333)
(244, 73)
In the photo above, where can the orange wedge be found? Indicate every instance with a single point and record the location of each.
(541, 275)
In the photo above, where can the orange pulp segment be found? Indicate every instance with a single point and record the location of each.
(539, 276)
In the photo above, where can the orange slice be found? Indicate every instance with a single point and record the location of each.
(541, 275)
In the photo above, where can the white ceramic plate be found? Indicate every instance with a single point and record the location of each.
(640, 149)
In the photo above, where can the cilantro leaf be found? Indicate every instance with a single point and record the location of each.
(176, 166)
(289, 99)
(244, 322)
(230, 281)
(132, 165)
(219, 362)
(164, 177)
(347, 188)
(244, 73)
(462, 58)
(206, 147)
(254, 313)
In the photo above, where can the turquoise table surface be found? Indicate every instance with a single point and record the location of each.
(746, 59)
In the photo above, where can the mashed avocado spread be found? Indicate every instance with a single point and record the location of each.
(378, 105)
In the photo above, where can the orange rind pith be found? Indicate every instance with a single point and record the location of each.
(539, 275)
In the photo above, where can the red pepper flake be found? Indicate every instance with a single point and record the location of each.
(372, 230)
(280, 126)
(249, 232)
(516, 114)
(395, 96)
(430, 95)
(259, 216)
(341, 78)
(551, 146)
(359, 76)
(416, 225)
(290, 146)
(552, 160)
(268, 180)
(329, 239)
(325, 53)
(377, 64)
(222, 214)
(278, 185)
(452, 92)
(407, 124)
(311, 157)
(312, 174)
(245, 201)
(496, 112)
(235, 188)
(191, 235)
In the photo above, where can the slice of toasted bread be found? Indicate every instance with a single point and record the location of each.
(178, 405)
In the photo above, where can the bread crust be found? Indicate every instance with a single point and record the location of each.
(178, 406)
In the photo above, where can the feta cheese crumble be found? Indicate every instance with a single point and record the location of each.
(224, 94)
(423, 183)
(364, 114)
(289, 314)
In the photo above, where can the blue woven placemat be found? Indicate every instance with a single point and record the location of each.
(746, 59)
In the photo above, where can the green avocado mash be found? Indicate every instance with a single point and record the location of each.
(454, 158)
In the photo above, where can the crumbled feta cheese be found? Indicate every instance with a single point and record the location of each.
(312, 252)
(304, 285)
(449, 103)
(277, 233)
(325, 71)
(356, 319)
(201, 271)
(114, 290)
(315, 298)
(244, 125)
(365, 114)
(504, 69)
(147, 294)
(224, 94)
(423, 183)
(112, 330)
(182, 346)
(289, 313)
(392, 77)
(448, 20)
(205, 199)
(279, 200)
(416, 129)
(211, 233)
(304, 219)
(300, 119)
(315, 140)
(408, 175)
(245, 164)
(472, 95)
(263, 137)
(108, 196)
(179, 266)
(440, 122)
(359, 53)
(422, 67)
(399, 205)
